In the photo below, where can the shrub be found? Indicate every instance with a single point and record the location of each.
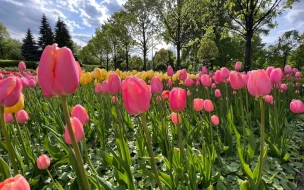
(14, 63)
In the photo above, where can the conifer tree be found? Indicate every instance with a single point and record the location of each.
(62, 35)
(29, 47)
(46, 34)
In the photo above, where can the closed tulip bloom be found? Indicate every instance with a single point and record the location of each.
(268, 99)
(43, 162)
(22, 116)
(204, 70)
(114, 99)
(98, 88)
(208, 106)
(213, 85)
(198, 104)
(17, 107)
(156, 85)
(81, 113)
(114, 83)
(175, 118)
(217, 93)
(237, 66)
(177, 99)
(224, 73)
(283, 87)
(276, 75)
(182, 74)
(165, 94)
(217, 76)
(236, 80)
(296, 106)
(105, 87)
(245, 78)
(206, 80)
(188, 93)
(287, 69)
(269, 70)
(21, 66)
(215, 120)
(58, 72)
(25, 82)
(170, 82)
(188, 82)
(8, 118)
(17, 182)
(294, 70)
(32, 83)
(259, 83)
(77, 129)
(158, 98)
(10, 91)
(136, 95)
(298, 74)
(170, 71)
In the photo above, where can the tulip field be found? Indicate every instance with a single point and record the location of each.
(65, 128)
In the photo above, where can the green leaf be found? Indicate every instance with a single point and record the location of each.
(4, 174)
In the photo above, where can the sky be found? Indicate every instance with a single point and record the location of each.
(83, 16)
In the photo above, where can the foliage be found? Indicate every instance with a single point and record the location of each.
(62, 35)
(46, 36)
(207, 50)
(29, 47)
(14, 63)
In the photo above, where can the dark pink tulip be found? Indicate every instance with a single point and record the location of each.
(236, 80)
(283, 87)
(80, 112)
(77, 129)
(217, 76)
(198, 104)
(276, 75)
(182, 74)
(296, 106)
(114, 83)
(259, 83)
(105, 87)
(206, 80)
(170, 82)
(287, 69)
(215, 120)
(204, 70)
(237, 66)
(217, 93)
(165, 94)
(170, 71)
(177, 99)
(224, 73)
(188, 82)
(22, 116)
(25, 82)
(156, 85)
(298, 74)
(10, 91)
(208, 106)
(136, 95)
(269, 70)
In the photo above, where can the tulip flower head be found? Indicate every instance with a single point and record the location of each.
(206, 80)
(77, 129)
(17, 107)
(237, 66)
(217, 93)
(43, 162)
(10, 91)
(175, 118)
(215, 120)
(22, 116)
(58, 72)
(188, 82)
(156, 85)
(236, 80)
(259, 83)
(170, 71)
(21, 66)
(177, 99)
(288, 69)
(198, 104)
(114, 83)
(80, 113)
(114, 99)
(98, 88)
(276, 75)
(182, 74)
(208, 106)
(268, 99)
(296, 106)
(17, 182)
(8, 118)
(165, 94)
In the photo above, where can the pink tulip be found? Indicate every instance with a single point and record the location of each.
(213, 85)
(215, 120)
(175, 118)
(32, 83)
(165, 94)
(198, 104)
(259, 83)
(10, 91)
(158, 98)
(22, 116)
(296, 106)
(105, 87)
(297, 84)
(269, 70)
(1, 76)
(170, 71)
(188, 93)
(204, 70)
(17, 182)
(237, 66)
(114, 83)
(208, 106)
(21, 66)
(188, 82)
(43, 162)
(80, 113)
(77, 129)
(206, 80)
(287, 69)
(136, 95)
(98, 88)
(182, 74)
(268, 99)
(224, 73)
(25, 82)
(58, 72)
(236, 80)
(217, 93)
(245, 78)
(8, 118)
(177, 99)
(283, 87)
(298, 74)
(217, 76)
(114, 99)
(297, 92)
(295, 70)
(276, 75)
(156, 85)
(170, 82)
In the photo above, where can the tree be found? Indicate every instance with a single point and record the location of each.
(4, 37)
(29, 47)
(253, 16)
(178, 19)
(207, 51)
(62, 35)
(46, 35)
(13, 50)
(144, 26)
(163, 57)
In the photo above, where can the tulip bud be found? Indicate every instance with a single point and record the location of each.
(43, 162)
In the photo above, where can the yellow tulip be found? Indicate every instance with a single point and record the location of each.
(17, 107)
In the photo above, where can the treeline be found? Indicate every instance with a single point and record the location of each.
(30, 49)
(216, 33)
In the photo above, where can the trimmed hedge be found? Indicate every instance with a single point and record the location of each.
(14, 63)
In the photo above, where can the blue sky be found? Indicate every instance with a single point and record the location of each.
(83, 16)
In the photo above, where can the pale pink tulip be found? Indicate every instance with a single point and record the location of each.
(80, 113)
(77, 129)
(198, 104)
(259, 83)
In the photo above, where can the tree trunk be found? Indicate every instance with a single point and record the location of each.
(285, 60)
(178, 49)
(127, 57)
(247, 60)
(144, 47)
(107, 62)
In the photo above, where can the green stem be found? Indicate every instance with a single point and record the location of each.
(295, 125)
(261, 141)
(74, 144)
(52, 178)
(147, 134)
(8, 141)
